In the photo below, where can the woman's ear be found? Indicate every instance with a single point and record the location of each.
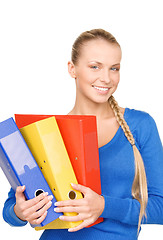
(71, 69)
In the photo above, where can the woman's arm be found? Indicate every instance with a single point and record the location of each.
(127, 210)
(8, 211)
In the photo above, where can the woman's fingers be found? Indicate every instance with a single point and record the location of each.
(40, 203)
(77, 202)
(78, 217)
(36, 200)
(80, 188)
(39, 214)
(38, 220)
(37, 210)
(80, 226)
(69, 209)
(33, 210)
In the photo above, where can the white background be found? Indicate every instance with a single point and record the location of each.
(35, 45)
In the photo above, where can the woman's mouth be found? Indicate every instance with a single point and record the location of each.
(101, 89)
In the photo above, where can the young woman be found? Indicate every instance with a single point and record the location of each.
(130, 151)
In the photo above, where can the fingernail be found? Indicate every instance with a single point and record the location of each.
(49, 204)
(70, 230)
(56, 204)
(50, 197)
(45, 212)
(56, 209)
(61, 218)
(45, 194)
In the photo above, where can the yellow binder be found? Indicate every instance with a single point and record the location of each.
(46, 144)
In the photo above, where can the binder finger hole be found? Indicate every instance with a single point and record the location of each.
(72, 195)
(38, 192)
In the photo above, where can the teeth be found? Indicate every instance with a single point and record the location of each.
(101, 89)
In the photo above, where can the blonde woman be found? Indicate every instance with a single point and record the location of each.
(130, 151)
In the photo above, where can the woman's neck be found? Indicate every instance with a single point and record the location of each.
(100, 110)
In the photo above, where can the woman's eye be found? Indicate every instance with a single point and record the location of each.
(114, 69)
(94, 67)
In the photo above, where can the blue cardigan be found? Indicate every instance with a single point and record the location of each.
(121, 211)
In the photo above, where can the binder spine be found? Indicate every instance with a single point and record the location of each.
(8, 169)
(20, 167)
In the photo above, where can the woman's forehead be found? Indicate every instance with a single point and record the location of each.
(100, 50)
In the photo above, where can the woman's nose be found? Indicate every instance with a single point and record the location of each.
(105, 76)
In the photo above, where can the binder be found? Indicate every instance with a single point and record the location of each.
(20, 167)
(79, 133)
(46, 144)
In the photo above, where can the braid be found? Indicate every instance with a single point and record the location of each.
(121, 120)
(139, 187)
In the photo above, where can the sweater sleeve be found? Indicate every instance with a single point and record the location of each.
(8, 211)
(127, 210)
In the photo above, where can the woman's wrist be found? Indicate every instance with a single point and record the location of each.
(17, 214)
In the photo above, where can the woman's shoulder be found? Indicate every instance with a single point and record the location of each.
(138, 118)
(143, 127)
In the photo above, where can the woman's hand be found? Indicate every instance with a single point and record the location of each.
(89, 208)
(34, 210)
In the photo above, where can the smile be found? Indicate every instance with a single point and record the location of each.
(104, 89)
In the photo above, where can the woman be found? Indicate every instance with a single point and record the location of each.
(130, 151)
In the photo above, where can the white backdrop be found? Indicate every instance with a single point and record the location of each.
(35, 44)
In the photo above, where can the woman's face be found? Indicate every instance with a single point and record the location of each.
(97, 71)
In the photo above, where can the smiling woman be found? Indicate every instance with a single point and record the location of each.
(130, 153)
(97, 68)
(100, 49)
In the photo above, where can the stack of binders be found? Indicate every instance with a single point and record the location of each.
(79, 134)
(48, 153)
(20, 167)
(46, 144)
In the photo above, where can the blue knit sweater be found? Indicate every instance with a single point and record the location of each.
(121, 211)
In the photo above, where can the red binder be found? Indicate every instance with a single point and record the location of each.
(79, 133)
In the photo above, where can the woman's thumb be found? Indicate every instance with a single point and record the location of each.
(19, 193)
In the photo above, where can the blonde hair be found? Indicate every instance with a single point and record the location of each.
(89, 36)
(139, 186)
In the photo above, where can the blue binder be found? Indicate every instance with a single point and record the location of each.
(20, 167)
